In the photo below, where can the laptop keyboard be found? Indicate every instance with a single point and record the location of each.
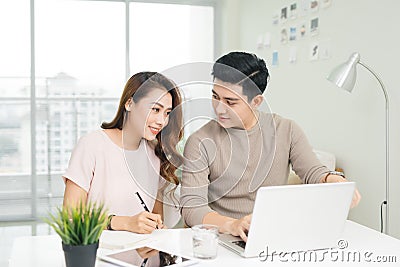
(240, 243)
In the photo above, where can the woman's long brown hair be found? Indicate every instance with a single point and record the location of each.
(136, 88)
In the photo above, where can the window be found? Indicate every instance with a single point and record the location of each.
(14, 119)
(180, 34)
(81, 66)
(80, 56)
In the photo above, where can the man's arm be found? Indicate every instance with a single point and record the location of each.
(338, 179)
(194, 190)
(302, 157)
(306, 164)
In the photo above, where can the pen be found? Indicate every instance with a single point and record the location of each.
(144, 262)
(142, 202)
(144, 205)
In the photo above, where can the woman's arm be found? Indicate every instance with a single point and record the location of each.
(73, 194)
(142, 223)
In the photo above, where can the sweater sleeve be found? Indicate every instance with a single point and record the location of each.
(303, 159)
(195, 182)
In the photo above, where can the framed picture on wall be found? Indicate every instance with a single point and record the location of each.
(325, 49)
(303, 7)
(293, 54)
(267, 39)
(275, 58)
(284, 36)
(326, 3)
(260, 41)
(302, 29)
(314, 51)
(293, 11)
(275, 17)
(314, 27)
(314, 5)
(284, 13)
(293, 34)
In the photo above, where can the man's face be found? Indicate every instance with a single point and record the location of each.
(231, 106)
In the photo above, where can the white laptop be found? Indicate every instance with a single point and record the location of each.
(295, 218)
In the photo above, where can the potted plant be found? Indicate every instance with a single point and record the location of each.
(80, 228)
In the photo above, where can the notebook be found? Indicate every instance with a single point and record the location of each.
(295, 218)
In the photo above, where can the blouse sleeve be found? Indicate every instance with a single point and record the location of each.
(81, 164)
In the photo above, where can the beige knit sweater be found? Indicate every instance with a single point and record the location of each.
(223, 168)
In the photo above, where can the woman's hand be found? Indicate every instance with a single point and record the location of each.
(146, 252)
(142, 223)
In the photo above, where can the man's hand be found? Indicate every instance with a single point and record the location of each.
(238, 227)
(338, 179)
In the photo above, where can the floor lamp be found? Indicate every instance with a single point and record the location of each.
(344, 76)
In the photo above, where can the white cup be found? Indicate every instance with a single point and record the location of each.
(205, 241)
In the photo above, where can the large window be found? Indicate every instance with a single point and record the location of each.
(163, 36)
(83, 41)
(66, 82)
(15, 181)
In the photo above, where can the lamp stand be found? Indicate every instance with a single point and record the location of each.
(386, 201)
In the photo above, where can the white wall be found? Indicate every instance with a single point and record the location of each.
(226, 25)
(352, 126)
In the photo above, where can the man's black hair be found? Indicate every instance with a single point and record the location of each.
(244, 69)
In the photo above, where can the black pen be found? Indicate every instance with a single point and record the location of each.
(144, 262)
(143, 204)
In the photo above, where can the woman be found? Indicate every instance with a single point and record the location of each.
(133, 153)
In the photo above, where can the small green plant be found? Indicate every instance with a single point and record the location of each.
(80, 225)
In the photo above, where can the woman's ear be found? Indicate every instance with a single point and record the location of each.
(128, 104)
(256, 101)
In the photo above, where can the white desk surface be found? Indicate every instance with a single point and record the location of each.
(46, 250)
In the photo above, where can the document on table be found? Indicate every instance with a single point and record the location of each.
(121, 239)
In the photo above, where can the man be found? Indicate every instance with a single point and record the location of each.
(227, 160)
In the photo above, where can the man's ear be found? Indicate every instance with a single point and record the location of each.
(256, 101)
(128, 104)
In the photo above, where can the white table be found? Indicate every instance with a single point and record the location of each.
(369, 244)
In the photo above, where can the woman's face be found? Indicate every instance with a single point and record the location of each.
(150, 114)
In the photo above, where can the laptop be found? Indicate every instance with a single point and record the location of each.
(295, 218)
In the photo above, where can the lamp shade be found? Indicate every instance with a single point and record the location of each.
(345, 75)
